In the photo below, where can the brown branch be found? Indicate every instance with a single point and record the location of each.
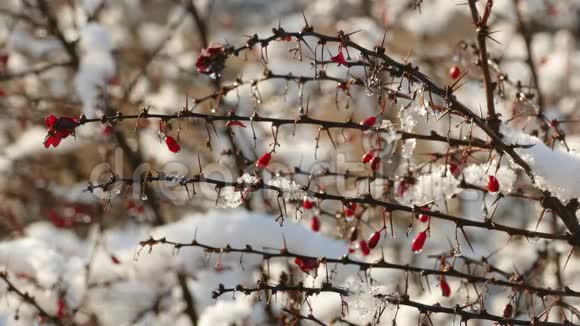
(381, 263)
(29, 299)
(394, 299)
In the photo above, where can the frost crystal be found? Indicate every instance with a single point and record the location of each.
(408, 148)
(362, 299)
(431, 186)
(248, 179)
(390, 132)
(291, 190)
(229, 198)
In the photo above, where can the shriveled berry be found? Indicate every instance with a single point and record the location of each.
(508, 311)
(375, 163)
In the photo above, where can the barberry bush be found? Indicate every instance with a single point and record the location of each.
(357, 162)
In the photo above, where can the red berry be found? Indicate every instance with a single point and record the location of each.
(492, 184)
(339, 57)
(114, 81)
(235, 123)
(307, 203)
(368, 157)
(445, 289)
(107, 130)
(375, 163)
(306, 265)
(374, 239)
(4, 60)
(454, 72)
(508, 311)
(364, 248)
(349, 209)
(172, 144)
(454, 169)
(115, 260)
(343, 86)
(60, 305)
(423, 217)
(419, 241)
(369, 122)
(315, 224)
(264, 160)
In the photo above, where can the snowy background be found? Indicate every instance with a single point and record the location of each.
(95, 258)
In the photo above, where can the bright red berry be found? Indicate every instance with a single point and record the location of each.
(307, 203)
(492, 184)
(306, 265)
(374, 239)
(423, 217)
(235, 123)
(315, 224)
(454, 72)
(349, 209)
(369, 121)
(264, 160)
(445, 289)
(419, 241)
(172, 144)
(60, 221)
(368, 157)
(364, 248)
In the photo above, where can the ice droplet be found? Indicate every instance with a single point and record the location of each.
(144, 196)
(532, 239)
